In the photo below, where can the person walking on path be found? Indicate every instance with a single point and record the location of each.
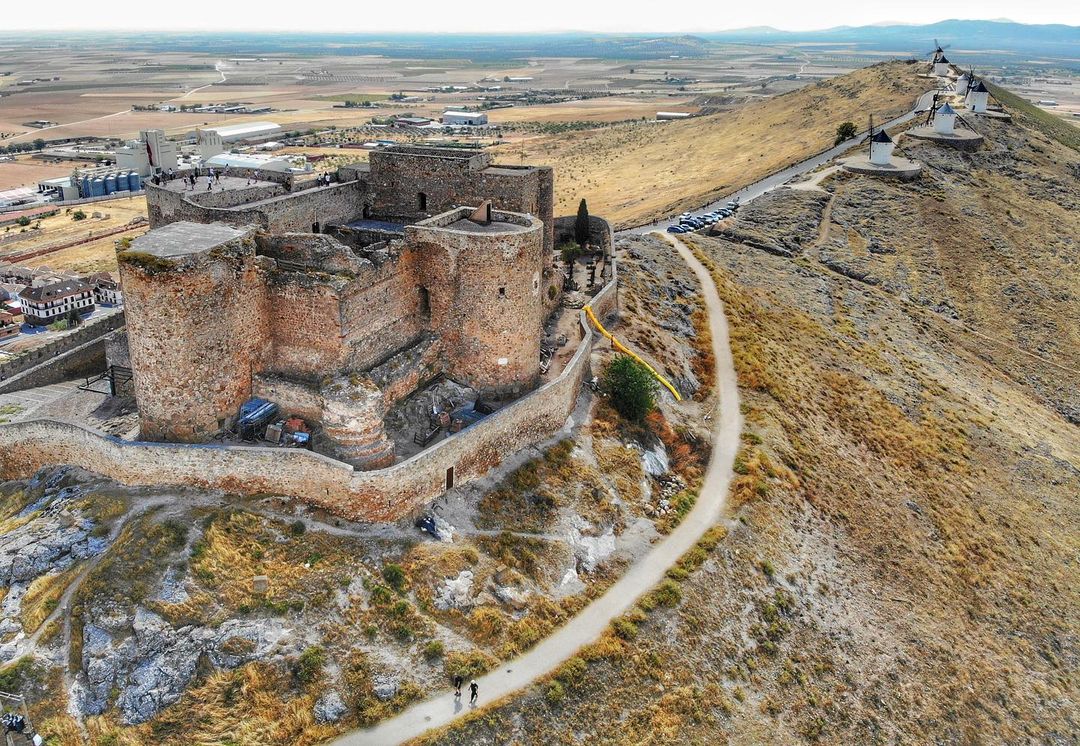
(458, 680)
(474, 692)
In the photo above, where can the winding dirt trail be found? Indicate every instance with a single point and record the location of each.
(642, 576)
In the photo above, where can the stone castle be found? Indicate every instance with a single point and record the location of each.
(338, 300)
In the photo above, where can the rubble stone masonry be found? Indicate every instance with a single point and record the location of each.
(380, 495)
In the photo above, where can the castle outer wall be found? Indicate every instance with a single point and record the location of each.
(380, 495)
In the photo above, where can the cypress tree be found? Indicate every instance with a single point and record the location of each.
(581, 225)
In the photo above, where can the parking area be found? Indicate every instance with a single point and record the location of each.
(688, 222)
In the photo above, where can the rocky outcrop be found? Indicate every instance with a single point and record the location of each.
(150, 663)
(53, 541)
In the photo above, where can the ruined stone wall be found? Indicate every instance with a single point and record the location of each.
(233, 197)
(196, 334)
(381, 312)
(304, 326)
(380, 495)
(45, 354)
(396, 180)
(278, 211)
(164, 206)
(292, 397)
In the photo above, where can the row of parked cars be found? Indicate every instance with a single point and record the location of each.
(688, 222)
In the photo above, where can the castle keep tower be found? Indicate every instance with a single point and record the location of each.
(196, 330)
(483, 293)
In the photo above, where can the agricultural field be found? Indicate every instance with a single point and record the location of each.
(62, 228)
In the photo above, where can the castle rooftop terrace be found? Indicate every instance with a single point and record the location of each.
(184, 238)
(495, 226)
(225, 184)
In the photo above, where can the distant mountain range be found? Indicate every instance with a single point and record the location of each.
(979, 36)
(974, 35)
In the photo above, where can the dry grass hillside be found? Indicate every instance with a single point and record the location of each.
(634, 172)
(897, 564)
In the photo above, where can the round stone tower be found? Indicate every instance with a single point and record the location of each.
(482, 290)
(195, 310)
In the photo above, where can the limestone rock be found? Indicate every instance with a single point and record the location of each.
(330, 708)
(655, 460)
(384, 685)
(454, 593)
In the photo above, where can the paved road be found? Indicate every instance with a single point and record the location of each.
(779, 178)
(641, 577)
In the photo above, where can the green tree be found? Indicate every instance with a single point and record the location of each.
(39, 144)
(73, 318)
(23, 220)
(78, 215)
(581, 224)
(631, 388)
(845, 131)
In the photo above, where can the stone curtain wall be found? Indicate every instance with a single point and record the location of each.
(49, 353)
(396, 180)
(276, 210)
(380, 495)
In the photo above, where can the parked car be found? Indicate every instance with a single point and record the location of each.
(674, 229)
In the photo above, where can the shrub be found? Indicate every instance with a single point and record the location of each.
(23, 221)
(309, 665)
(297, 527)
(394, 575)
(486, 623)
(380, 595)
(631, 388)
(667, 594)
(468, 665)
(434, 650)
(625, 629)
(78, 215)
(845, 131)
(555, 693)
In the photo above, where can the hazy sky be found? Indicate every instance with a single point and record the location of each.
(507, 15)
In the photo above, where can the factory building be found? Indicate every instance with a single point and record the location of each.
(246, 132)
(257, 161)
(152, 153)
(467, 118)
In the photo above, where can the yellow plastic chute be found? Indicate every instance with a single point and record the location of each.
(624, 349)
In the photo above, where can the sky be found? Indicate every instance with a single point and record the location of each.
(509, 16)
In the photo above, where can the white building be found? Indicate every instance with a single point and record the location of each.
(152, 153)
(259, 161)
(246, 131)
(962, 84)
(52, 300)
(469, 118)
(978, 97)
(941, 66)
(881, 148)
(945, 120)
(667, 115)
